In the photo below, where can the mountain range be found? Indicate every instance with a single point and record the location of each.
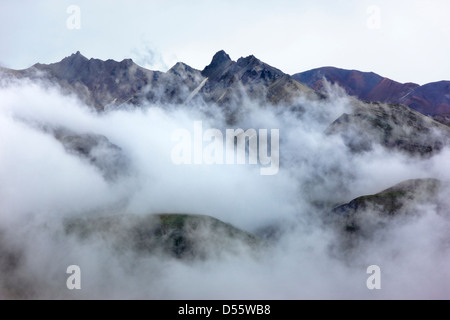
(404, 117)
(378, 119)
(103, 84)
(429, 99)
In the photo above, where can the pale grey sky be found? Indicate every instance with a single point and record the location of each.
(406, 40)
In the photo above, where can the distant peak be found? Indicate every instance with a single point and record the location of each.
(248, 60)
(251, 57)
(180, 67)
(220, 57)
(75, 57)
(127, 62)
(78, 55)
(220, 60)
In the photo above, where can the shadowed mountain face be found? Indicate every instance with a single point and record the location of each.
(429, 99)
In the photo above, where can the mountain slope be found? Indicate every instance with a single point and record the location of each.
(98, 82)
(392, 126)
(102, 84)
(429, 99)
(105, 84)
(432, 98)
(364, 214)
(256, 78)
(181, 236)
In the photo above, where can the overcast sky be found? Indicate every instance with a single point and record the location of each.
(405, 40)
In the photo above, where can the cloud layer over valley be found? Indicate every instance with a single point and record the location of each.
(61, 161)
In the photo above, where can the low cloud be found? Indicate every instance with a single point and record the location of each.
(42, 185)
(148, 57)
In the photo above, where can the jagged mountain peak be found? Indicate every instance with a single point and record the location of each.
(256, 68)
(223, 68)
(181, 68)
(106, 83)
(220, 57)
(74, 58)
(77, 54)
(249, 59)
(219, 63)
(79, 61)
(258, 79)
